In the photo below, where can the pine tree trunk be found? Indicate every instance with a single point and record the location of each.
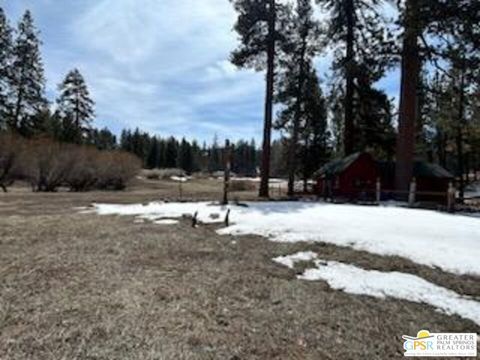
(348, 141)
(267, 131)
(292, 163)
(459, 138)
(408, 99)
(441, 151)
(460, 164)
(475, 167)
(305, 165)
(468, 168)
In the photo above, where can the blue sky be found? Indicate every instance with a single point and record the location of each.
(161, 65)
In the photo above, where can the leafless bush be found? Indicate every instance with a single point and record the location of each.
(85, 170)
(116, 170)
(11, 148)
(46, 164)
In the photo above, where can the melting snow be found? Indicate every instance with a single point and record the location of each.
(165, 222)
(179, 178)
(290, 260)
(450, 242)
(355, 280)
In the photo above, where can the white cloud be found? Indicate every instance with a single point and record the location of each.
(176, 35)
(161, 65)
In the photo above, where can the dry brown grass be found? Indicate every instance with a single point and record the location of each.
(243, 185)
(82, 286)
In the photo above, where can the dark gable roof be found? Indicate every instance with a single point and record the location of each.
(425, 169)
(386, 168)
(421, 169)
(337, 166)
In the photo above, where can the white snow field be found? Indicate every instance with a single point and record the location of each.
(358, 281)
(450, 242)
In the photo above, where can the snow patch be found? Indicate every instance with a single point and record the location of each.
(207, 212)
(179, 178)
(358, 281)
(166, 222)
(447, 241)
(290, 260)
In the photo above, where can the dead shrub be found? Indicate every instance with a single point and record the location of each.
(84, 174)
(11, 148)
(116, 170)
(46, 164)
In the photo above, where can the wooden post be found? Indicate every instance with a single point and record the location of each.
(194, 219)
(227, 166)
(227, 218)
(413, 190)
(180, 189)
(451, 197)
(378, 194)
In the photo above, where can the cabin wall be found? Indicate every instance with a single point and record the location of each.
(360, 177)
(432, 185)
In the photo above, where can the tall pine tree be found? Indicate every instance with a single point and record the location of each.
(303, 44)
(362, 46)
(259, 26)
(315, 147)
(27, 84)
(427, 26)
(75, 107)
(5, 68)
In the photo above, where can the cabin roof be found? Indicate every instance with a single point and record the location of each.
(337, 166)
(420, 169)
(386, 168)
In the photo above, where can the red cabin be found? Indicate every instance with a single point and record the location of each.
(355, 177)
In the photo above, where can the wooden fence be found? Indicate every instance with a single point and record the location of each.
(412, 196)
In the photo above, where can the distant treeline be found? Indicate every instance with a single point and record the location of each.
(170, 152)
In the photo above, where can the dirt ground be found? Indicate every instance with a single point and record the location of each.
(83, 286)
